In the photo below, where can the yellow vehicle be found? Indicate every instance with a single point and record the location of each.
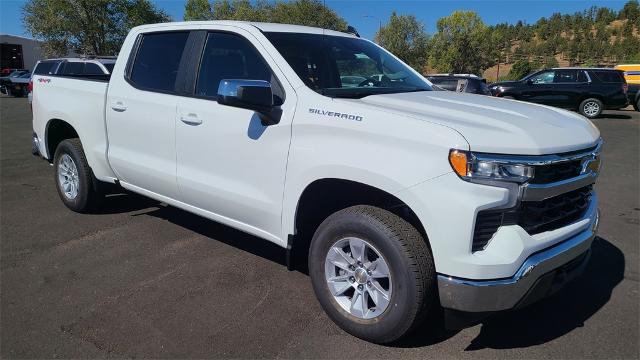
(631, 73)
(632, 76)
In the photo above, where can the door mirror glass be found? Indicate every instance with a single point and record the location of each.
(254, 95)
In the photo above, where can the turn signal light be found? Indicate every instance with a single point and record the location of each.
(458, 161)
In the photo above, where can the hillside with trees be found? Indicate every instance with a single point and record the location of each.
(462, 43)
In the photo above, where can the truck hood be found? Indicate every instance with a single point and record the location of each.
(495, 125)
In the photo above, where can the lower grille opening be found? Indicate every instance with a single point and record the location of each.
(533, 216)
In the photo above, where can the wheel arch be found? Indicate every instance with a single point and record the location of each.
(590, 96)
(322, 197)
(56, 131)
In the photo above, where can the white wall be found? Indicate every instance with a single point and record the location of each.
(31, 52)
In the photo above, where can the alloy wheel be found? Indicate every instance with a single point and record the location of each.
(358, 278)
(591, 108)
(68, 178)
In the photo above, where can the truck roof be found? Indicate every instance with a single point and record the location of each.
(266, 27)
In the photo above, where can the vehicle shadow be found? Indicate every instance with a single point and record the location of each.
(560, 314)
(539, 323)
(548, 319)
(123, 202)
(222, 233)
(616, 116)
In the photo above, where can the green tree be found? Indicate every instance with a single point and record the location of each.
(630, 11)
(198, 10)
(461, 44)
(92, 27)
(307, 12)
(520, 69)
(297, 12)
(551, 62)
(405, 37)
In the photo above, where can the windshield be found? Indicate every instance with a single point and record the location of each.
(340, 66)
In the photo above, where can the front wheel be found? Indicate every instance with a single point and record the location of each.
(73, 177)
(590, 108)
(372, 272)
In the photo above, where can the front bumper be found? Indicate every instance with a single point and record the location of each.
(540, 275)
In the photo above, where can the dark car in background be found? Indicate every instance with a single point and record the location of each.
(586, 90)
(5, 80)
(18, 86)
(634, 96)
(460, 82)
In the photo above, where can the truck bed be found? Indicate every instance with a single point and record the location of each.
(79, 101)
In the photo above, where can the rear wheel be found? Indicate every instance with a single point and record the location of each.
(73, 177)
(591, 108)
(372, 272)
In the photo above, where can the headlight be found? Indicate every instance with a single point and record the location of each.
(470, 168)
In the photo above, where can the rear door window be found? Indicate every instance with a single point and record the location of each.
(157, 61)
(566, 76)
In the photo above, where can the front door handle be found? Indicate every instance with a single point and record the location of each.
(191, 119)
(118, 106)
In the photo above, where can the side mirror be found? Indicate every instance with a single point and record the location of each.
(254, 95)
(529, 82)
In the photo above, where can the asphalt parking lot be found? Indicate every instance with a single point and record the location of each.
(144, 280)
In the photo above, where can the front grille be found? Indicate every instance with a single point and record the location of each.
(553, 213)
(545, 174)
(533, 216)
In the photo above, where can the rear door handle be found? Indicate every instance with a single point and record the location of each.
(118, 106)
(191, 119)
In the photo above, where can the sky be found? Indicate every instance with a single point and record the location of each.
(354, 11)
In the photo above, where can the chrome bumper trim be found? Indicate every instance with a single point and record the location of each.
(503, 294)
(539, 192)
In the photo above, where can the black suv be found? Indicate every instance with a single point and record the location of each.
(587, 90)
(460, 82)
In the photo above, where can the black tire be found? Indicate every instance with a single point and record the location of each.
(586, 108)
(410, 264)
(87, 198)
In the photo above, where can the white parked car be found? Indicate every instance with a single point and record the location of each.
(401, 198)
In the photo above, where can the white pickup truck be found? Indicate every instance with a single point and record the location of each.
(400, 199)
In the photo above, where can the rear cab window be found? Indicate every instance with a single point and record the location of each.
(92, 69)
(72, 68)
(44, 67)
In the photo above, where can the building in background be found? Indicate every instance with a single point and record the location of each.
(19, 52)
